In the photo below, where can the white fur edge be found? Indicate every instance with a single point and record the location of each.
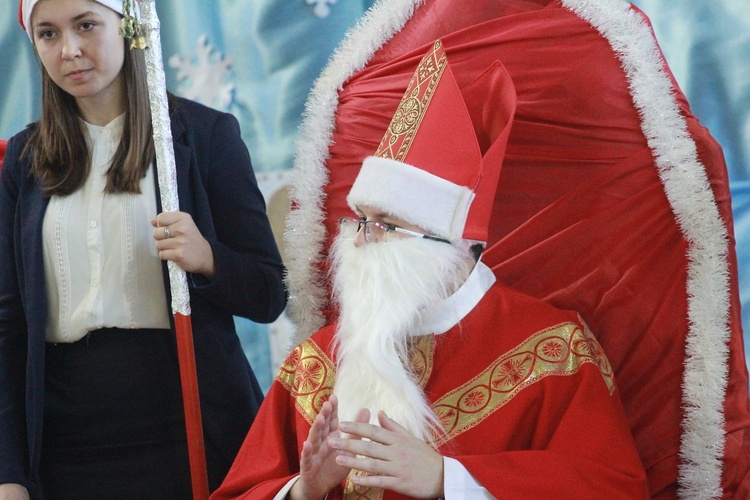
(692, 201)
(412, 194)
(305, 234)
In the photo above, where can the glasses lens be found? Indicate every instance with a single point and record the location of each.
(348, 226)
(375, 232)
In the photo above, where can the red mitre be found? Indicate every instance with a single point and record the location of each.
(438, 164)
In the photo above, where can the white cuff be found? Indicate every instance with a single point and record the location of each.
(459, 484)
(281, 495)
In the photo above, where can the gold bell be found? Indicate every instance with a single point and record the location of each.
(139, 42)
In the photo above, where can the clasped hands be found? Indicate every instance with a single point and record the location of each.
(391, 457)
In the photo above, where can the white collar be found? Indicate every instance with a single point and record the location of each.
(114, 127)
(441, 317)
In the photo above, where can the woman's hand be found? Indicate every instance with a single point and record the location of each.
(179, 240)
(12, 491)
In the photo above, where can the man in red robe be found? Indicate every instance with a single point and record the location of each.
(437, 381)
(613, 202)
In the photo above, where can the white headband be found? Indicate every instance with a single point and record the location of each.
(27, 7)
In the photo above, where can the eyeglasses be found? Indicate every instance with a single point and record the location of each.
(376, 231)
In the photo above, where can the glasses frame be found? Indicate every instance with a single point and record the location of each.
(386, 227)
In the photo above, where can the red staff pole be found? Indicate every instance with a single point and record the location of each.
(167, 178)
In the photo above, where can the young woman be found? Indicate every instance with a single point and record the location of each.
(90, 401)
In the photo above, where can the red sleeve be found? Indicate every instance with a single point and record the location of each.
(579, 445)
(269, 457)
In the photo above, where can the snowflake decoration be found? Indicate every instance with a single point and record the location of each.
(204, 77)
(321, 7)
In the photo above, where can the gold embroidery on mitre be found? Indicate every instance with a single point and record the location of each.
(308, 374)
(560, 350)
(410, 112)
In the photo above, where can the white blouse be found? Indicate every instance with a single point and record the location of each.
(100, 261)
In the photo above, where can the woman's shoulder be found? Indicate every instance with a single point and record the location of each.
(198, 120)
(22, 137)
(188, 109)
(15, 147)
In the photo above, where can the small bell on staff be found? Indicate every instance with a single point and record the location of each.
(131, 28)
(139, 42)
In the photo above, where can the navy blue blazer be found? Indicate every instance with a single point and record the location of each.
(217, 186)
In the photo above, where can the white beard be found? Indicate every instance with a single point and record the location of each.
(380, 290)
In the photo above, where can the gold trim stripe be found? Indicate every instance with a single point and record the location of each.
(354, 492)
(560, 350)
(308, 374)
(411, 110)
(421, 358)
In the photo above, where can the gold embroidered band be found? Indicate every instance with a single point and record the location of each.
(560, 350)
(308, 374)
(405, 122)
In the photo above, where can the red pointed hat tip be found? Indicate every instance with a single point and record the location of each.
(20, 14)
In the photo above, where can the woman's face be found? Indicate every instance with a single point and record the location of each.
(79, 44)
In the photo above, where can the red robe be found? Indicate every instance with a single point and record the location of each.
(582, 219)
(525, 393)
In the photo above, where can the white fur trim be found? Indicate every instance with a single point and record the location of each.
(691, 198)
(436, 205)
(305, 234)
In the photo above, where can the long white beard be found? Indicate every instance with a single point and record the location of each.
(380, 290)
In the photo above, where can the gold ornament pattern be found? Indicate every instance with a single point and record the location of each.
(354, 492)
(413, 106)
(421, 350)
(308, 374)
(560, 350)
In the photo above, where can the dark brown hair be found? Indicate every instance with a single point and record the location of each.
(60, 159)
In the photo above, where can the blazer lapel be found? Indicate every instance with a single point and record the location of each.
(33, 207)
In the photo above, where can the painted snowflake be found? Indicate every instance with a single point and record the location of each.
(205, 77)
(322, 8)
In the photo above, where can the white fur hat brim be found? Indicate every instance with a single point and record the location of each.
(438, 206)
